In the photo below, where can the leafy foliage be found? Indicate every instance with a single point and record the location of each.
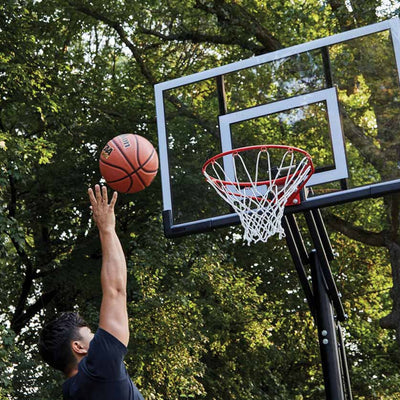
(210, 317)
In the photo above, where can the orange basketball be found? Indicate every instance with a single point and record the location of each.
(128, 163)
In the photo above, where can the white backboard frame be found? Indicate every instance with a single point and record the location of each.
(329, 96)
(340, 171)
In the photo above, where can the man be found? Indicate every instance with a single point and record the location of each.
(93, 363)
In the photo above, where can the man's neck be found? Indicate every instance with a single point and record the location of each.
(73, 371)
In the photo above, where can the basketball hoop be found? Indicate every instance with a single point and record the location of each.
(260, 195)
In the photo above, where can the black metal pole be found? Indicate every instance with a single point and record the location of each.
(324, 263)
(291, 220)
(326, 333)
(323, 234)
(293, 246)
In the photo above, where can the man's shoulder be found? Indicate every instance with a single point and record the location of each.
(106, 343)
(102, 333)
(104, 360)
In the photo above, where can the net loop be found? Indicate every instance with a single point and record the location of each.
(259, 195)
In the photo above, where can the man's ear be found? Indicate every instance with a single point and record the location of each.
(78, 348)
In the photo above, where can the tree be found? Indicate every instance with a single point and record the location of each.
(209, 318)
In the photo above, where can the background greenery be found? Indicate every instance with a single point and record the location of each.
(210, 317)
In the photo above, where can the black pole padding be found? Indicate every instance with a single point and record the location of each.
(326, 333)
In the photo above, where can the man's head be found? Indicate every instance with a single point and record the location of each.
(65, 341)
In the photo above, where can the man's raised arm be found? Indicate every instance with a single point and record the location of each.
(113, 312)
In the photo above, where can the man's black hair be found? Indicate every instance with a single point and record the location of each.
(55, 341)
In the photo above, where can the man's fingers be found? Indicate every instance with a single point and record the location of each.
(113, 199)
(100, 196)
(98, 193)
(92, 199)
(104, 193)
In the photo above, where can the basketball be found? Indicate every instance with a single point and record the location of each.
(128, 163)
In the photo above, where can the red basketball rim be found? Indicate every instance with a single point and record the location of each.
(278, 182)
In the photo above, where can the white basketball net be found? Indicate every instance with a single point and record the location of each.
(261, 206)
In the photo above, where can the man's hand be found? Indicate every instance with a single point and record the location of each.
(103, 213)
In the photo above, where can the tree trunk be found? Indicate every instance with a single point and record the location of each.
(392, 320)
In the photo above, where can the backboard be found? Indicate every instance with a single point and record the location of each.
(337, 98)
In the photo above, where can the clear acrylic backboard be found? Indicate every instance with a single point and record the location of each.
(337, 98)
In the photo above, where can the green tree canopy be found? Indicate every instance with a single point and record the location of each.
(210, 317)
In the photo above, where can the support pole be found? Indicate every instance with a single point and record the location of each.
(326, 333)
(323, 234)
(295, 245)
(324, 265)
(294, 228)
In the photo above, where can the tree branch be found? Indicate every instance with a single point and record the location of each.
(236, 15)
(363, 143)
(28, 279)
(122, 35)
(363, 13)
(355, 232)
(20, 321)
(198, 37)
(184, 110)
(339, 10)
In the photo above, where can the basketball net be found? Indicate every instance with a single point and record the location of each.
(260, 204)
